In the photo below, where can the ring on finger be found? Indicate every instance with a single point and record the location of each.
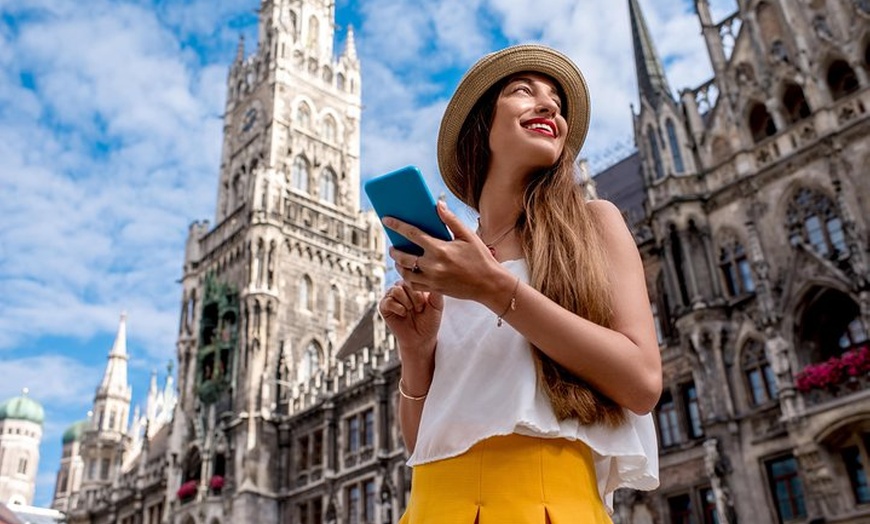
(416, 268)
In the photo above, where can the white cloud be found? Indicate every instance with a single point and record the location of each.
(51, 379)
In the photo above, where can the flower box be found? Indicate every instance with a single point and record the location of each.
(835, 371)
(216, 483)
(187, 490)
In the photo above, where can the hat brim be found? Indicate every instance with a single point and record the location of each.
(489, 70)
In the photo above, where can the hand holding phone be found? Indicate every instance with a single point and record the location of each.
(403, 194)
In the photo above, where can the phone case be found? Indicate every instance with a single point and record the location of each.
(403, 194)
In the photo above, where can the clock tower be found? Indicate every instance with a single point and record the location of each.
(291, 265)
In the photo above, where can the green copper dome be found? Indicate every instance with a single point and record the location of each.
(74, 432)
(22, 408)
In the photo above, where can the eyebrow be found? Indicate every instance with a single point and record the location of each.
(554, 89)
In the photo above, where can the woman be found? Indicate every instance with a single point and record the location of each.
(529, 357)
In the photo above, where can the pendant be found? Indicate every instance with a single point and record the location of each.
(492, 251)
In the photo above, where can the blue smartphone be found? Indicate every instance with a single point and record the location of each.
(403, 194)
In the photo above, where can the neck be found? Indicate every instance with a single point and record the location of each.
(501, 201)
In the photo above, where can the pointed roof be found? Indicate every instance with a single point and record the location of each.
(651, 79)
(115, 378)
(350, 44)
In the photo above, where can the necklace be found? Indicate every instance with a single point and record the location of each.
(495, 242)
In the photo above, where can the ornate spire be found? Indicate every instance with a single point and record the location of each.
(115, 379)
(651, 79)
(240, 50)
(350, 44)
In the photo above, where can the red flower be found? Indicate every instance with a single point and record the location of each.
(187, 490)
(216, 483)
(835, 370)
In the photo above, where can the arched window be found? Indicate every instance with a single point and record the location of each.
(842, 80)
(735, 267)
(339, 82)
(795, 104)
(761, 124)
(300, 173)
(854, 335)
(676, 253)
(329, 133)
(656, 155)
(812, 219)
(313, 30)
(306, 293)
(760, 379)
(333, 306)
(675, 146)
(309, 365)
(303, 116)
(328, 183)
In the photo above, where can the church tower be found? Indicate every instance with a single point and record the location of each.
(21, 420)
(106, 439)
(272, 290)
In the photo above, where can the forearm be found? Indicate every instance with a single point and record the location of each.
(625, 370)
(416, 379)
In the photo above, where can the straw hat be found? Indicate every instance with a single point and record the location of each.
(494, 67)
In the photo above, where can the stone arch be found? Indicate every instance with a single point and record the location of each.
(192, 466)
(761, 124)
(311, 360)
(794, 103)
(732, 257)
(822, 320)
(812, 218)
(841, 78)
(770, 27)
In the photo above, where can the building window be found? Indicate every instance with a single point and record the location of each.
(104, 468)
(310, 363)
(368, 435)
(760, 378)
(842, 80)
(92, 469)
(317, 448)
(329, 132)
(761, 124)
(669, 426)
(795, 104)
(693, 412)
(302, 510)
(786, 488)
(353, 434)
(853, 336)
(22, 466)
(812, 219)
(675, 147)
(857, 474)
(735, 268)
(299, 174)
(656, 154)
(303, 116)
(328, 184)
(302, 456)
(657, 321)
(333, 309)
(680, 509)
(306, 293)
(370, 502)
(353, 502)
(708, 506)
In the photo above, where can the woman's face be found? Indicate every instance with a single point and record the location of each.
(528, 128)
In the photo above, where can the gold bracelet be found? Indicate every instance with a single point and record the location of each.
(410, 397)
(512, 306)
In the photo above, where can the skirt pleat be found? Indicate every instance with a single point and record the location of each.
(511, 479)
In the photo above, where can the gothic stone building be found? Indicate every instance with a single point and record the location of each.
(749, 201)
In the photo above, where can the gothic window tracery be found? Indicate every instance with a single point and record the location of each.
(842, 80)
(299, 174)
(340, 82)
(656, 154)
(795, 104)
(311, 361)
(675, 146)
(735, 267)
(812, 219)
(303, 116)
(328, 184)
(759, 376)
(313, 30)
(329, 129)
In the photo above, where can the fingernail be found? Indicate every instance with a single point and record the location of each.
(388, 222)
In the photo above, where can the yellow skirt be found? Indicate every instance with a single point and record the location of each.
(512, 479)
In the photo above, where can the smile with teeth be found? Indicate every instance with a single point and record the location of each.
(541, 127)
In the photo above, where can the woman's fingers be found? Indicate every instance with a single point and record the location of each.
(460, 231)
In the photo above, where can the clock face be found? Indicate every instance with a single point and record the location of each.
(249, 119)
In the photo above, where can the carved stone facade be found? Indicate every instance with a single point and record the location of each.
(754, 234)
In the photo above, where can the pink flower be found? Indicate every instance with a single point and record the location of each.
(835, 370)
(187, 490)
(216, 483)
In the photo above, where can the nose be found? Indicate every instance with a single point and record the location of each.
(547, 106)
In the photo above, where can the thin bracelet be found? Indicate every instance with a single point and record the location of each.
(512, 306)
(410, 397)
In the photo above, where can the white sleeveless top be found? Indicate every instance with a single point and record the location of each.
(485, 384)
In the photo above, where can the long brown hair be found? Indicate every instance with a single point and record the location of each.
(562, 246)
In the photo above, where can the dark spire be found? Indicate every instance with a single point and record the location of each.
(651, 79)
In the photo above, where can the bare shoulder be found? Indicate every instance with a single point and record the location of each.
(609, 217)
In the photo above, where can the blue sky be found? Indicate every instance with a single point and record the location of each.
(110, 136)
